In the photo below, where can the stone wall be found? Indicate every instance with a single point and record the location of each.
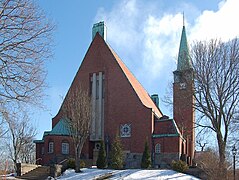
(133, 160)
(23, 168)
(164, 160)
(55, 170)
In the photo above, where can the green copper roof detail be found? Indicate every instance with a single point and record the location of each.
(184, 61)
(59, 129)
(100, 28)
(38, 141)
(164, 135)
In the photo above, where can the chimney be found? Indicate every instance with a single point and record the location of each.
(155, 99)
(100, 28)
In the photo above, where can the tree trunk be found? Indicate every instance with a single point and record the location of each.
(222, 157)
(15, 165)
(77, 162)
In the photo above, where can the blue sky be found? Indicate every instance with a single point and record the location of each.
(144, 33)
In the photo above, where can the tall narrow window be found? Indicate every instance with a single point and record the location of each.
(91, 84)
(97, 88)
(42, 150)
(65, 148)
(157, 149)
(51, 147)
(103, 87)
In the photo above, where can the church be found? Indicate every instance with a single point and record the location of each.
(120, 104)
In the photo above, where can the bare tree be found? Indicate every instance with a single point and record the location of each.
(202, 140)
(28, 151)
(3, 129)
(216, 72)
(21, 135)
(208, 161)
(25, 44)
(77, 110)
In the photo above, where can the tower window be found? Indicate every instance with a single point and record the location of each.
(158, 148)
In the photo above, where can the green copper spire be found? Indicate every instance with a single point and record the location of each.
(184, 61)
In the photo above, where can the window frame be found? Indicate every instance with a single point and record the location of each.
(157, 148)
(65, 148)
(42, 150)
(123, 133)
(50, 147)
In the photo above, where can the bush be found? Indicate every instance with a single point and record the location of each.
(116, 155)
(179, 166)
(146, 159)
(208, 161)
(101, 160)
(82, 164)
(71, 164)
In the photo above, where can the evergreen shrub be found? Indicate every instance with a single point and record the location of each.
(179, 166)
(101, 162)
(116, 155)
(146, 158)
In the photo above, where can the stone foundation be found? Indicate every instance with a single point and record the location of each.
(164, 160)
(132, 160)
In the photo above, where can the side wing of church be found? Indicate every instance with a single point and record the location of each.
(120, 105)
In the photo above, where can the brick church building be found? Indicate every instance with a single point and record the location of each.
(121, 104)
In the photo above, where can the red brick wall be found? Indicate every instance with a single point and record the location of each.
(122, 105)
(168, 144)
(164, 127)
(57, 155)
(184, 114)
(39, 153)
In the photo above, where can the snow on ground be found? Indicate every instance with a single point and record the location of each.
(129, 174)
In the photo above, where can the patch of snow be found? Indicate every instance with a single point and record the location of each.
(129, 174)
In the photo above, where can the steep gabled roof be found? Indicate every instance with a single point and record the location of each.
(171, 130)
(138, 88)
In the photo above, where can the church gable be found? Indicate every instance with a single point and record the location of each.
(101, 58)
(121, 105)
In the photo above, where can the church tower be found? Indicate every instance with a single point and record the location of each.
(183, 110)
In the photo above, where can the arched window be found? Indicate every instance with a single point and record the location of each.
(50, 147)
(65, 148)
(157, 148)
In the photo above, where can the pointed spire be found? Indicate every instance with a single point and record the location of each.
(183, 19)
(184, 61)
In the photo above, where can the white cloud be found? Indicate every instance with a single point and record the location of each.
(145, 41)
(147, 38)
(161, 41)
(217, 24)
(122, 25)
